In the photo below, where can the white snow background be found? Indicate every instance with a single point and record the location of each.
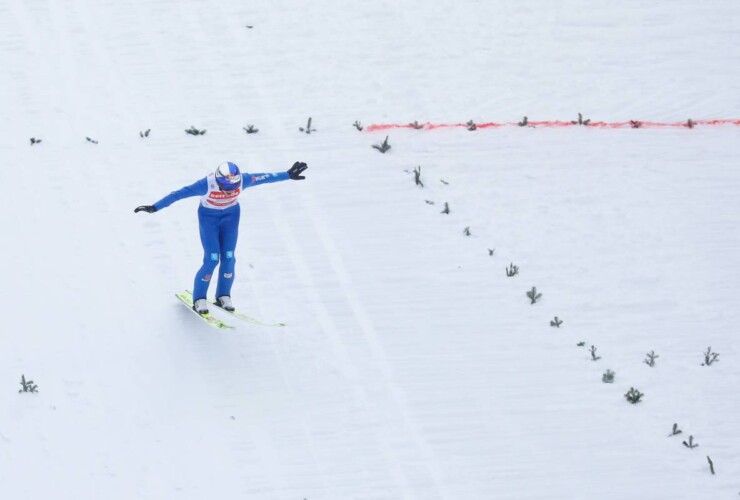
(412, 367)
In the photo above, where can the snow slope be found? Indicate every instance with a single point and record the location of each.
(412, 366)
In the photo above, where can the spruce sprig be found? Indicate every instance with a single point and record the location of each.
(533, 295)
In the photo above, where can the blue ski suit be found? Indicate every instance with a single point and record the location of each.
(218, 218)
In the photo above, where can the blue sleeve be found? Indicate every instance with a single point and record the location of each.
(250, 180)
(198, 188)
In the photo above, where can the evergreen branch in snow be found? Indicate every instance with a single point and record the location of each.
(91, 140)
(675, 431)
(633, 396)
(383, 147)
(35, 141)
(594, 357)
(710, 357)
(690, 444)
(357, 125)
(581, 344)
(416, 125)
(490, 251)
(28, 385)
(512, 270)
(608, 377)
(194, 131)
(145, 133)
(444, 182)
(466, 231)
(417, 176)
(581, 121)
(650, 360)
(533, 295)
(690, 123)
(556, 322)
(524, 122)
(446, 210)
(308, 128)
(471, 125)
(635, 124)
(250, 129)
(711, 465)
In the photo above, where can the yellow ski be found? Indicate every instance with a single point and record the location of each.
(187, 299)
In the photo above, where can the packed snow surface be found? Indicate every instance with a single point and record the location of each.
(412, 366)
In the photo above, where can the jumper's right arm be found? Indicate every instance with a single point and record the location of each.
(198, 188)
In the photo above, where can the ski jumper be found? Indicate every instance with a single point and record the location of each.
(218, 219)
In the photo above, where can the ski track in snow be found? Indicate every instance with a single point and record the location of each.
(411, 366)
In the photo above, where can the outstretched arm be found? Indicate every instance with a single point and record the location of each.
(198, 188)
(294, 173)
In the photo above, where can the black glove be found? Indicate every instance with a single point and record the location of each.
(150, 209)
(295, 171)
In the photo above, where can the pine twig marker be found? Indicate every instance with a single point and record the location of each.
(417, 176)
(594, 357)
(308, 128)
(633, 396)
(383, 147)
(650, 360)
(690, 444)
(710, 357)
(28, 385)
(194, 131)
(581, 121)
(533, 295)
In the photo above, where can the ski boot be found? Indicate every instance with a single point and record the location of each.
(200, 306)
(224, 302)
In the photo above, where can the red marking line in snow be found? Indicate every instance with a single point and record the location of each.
(558, 123)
